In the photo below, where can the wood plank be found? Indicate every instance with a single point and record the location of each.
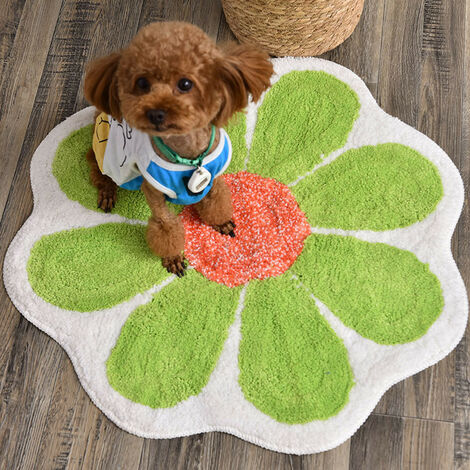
(378, 444)
(224, 33)
(416, 85)
(113, 447)
(227, 452)
(9, 19)
(96, 442)
(392, 403)
(20, 80)
(54, 102)
(77, 434)
(430, 394)
(61, 419)
(179, 454)
(361, 51)
(427, 445)
(399, 67)
(203, 13)
(117, 22)
(462, 254)
(64, 422)
(18, 86)
(462, 386)
(25, 396)
(337, 459)
(224, 451)
(397, 93)
(442, 75)
(83, 26)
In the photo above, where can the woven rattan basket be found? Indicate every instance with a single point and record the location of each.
(293, 27)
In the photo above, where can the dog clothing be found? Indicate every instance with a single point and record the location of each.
(126, 155)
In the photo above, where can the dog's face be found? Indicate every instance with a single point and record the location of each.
(173, 79)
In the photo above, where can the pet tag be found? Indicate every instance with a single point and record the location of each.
(199, 180)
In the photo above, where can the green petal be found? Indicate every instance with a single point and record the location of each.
(384, 293)
(371, 188)
(168, 348)
(72, 172)
(304, 115)
(89, 269)
(293, 367)
(236, 129)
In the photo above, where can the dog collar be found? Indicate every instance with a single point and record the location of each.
(176, 158)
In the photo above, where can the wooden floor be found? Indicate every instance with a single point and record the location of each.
(415, 57)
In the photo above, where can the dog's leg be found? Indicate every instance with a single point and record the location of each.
(107, 188)
(165, 231)
(216, 208)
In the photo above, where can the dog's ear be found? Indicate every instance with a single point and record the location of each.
(101, 85)
(241, 70)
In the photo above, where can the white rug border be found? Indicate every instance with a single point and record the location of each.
(221, 407)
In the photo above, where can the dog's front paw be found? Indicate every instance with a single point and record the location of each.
(107, 198)
(175, 265)
(226, 229)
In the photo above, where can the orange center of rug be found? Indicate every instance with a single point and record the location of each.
(270, 231)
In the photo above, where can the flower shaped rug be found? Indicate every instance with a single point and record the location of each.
(339, 283)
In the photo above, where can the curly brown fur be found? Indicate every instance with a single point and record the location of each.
(165, 231)
(216, 208)
(107, 188)
(145, 77)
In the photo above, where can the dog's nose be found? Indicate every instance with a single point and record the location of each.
(156, 116)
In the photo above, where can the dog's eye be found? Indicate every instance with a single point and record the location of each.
(142, 84)
(184, 84)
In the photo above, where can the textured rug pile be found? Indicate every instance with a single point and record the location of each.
(339, 283)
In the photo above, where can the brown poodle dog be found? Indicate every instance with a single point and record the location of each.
(171, 87)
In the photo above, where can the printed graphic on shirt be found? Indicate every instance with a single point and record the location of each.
(126, 135)
(100, 138)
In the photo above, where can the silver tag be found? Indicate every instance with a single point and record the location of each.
(199, 180)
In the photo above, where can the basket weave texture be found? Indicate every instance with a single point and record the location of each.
(294, 28)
